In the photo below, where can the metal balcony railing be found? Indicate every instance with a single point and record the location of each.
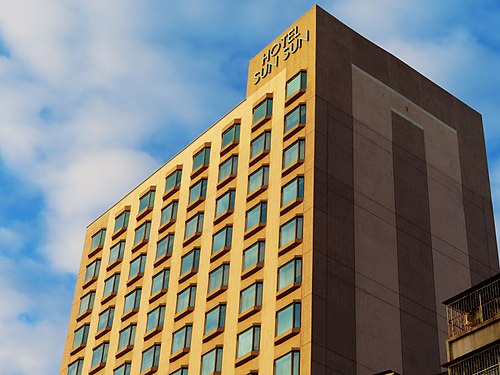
(484, 363)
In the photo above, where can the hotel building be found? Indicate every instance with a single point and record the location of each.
(314, 229)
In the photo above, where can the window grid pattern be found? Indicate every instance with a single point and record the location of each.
(186, 298)
(132, 301)
(198, 190)
(194, 225)
(253, 255)
(260, 144)
(81, 336)
(296, 117)
(146, 202)
(100, 355)
(263, 109)
(288, 364)
(228, 167)
(155, 318)
(87, 302)
(251, 297)
(215, 318)
(111, 285)
(296, 83)
(211, 362)
(256, 215)
(150, 358)
(222, 239)
(201, 158)
(181, 339)
(292, 191)
(258, 179)
(218, 278)
(288, 318)
(98, 239)
(190, 261)
(106, 319)
(165, 246)
(116, 252)
(137, 266)
(92, 270)
(225, 203)
(127, 336)
(248, 341)
(142, 232)
(169, 212)
(173, 180)
(121, 221)
(290, 273)
(231, 135)
(160, 281)
(294, 153)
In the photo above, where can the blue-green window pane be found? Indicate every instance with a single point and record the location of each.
(263, 109)
(248, 341)
(256, 215)
(87, 302)
(291, 231)
(165, 246)
(297, 83)
(293, 153)
(198, 190)
(160, 281)
(251, 297)
(111, 285)
(222, 239)
(190, 261)
(289, 364)
(201, 158)
(106, 319)
(186, 298)
(295, 117)
(150, 358)
(137, 266)
(147, 201)
(181, 339)
(100, 355)
(132, 300)
(169, 212)
(127, 336)
(121, 220)
(253, 255)
(258, 179)
(260, 144)
(75, 368)
(225, 203)
(123, 369)
(289, 273)
(229, 167)
(181, 371)
(142, 232)
(194, 225)
(218, 278)
(98, 239)
(292, 191)
(93, 270)
(215, 318)
(211, 362)
(231, 135)
(81, 336)
(288, 318)
(116, 252)
(155, 318)
(173, 180)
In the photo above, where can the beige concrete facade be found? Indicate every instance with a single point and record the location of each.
(362, 296)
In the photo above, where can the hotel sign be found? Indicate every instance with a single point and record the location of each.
(287, 45)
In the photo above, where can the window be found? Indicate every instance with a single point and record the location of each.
(225, 203)
(116, 252)
(258, 179)
(181, 371)
(87, 302)
(75, 368)
(194, 225)
(123, 369)
(215, 318)
(222, 239)
(288, 318)
(189, 262)
(228, 168)
(155, 318)
(92, 270)
(160, 281)
(260, 144)
(169, 212)
(263, 109)
(100, 355)
(291, 231)
(298, 82)
(218, 277)
(165, 246)
(181, 339)
(81, 335)
(111, 285)
(146, 202)
(293, 153)
(251, 297)
(256, 215)
(201, 158)
(142, 232)
(253, 255)
(290, 273)
(211, 362)
(186, 298)
(132, 300)
(106, 319)
(173, 180)
(295, 117)
(127, 336)
(248, 341)
(121, 221)
(198, 190)
(150, 358)
(289, 364)
(137, 266)
(292, 191)
(98, 240)
(231, 135)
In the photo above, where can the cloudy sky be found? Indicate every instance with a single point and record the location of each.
(96, 94)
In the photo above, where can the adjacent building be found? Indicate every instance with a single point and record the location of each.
(314, 229)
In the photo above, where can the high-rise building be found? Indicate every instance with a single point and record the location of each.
(314, 229)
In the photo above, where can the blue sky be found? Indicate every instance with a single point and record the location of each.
(94, 96)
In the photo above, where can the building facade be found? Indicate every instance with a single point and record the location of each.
(314, 229)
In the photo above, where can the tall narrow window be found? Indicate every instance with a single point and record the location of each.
(288, 318)
(127, 337)
(100, 355)
(296, 117)
(260, 144)
(231, 135)
(288, 364)
(294, 153)
(146, 202)
(251, 297)
(155, 318)
(165, 246)
(81, 336)
(291, 231)
(121, 221)
(98, 240)
(211, 362)
(142, 233)
(75, 368)
(116, 252)
(181, 339)
(290, 273)
(262, 110)
(106, 319)
(292, 191)
(194, 225)
(173, 180)
(225, 203)
(132, 301)
(297, 83)
(111, 285)
(258, 179)
(222, 239)
(186, 298)
(137, 266)
(253, 255)
(169, 213)
(160, 281)
(198, 190)
(150, 358)
(123, 369)
(228, 167)
(248, 341)
(256, 215)
(218, 278)
(87, 302)
(215, 318)
(190, 261)
(201, 158)
(92, 271)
